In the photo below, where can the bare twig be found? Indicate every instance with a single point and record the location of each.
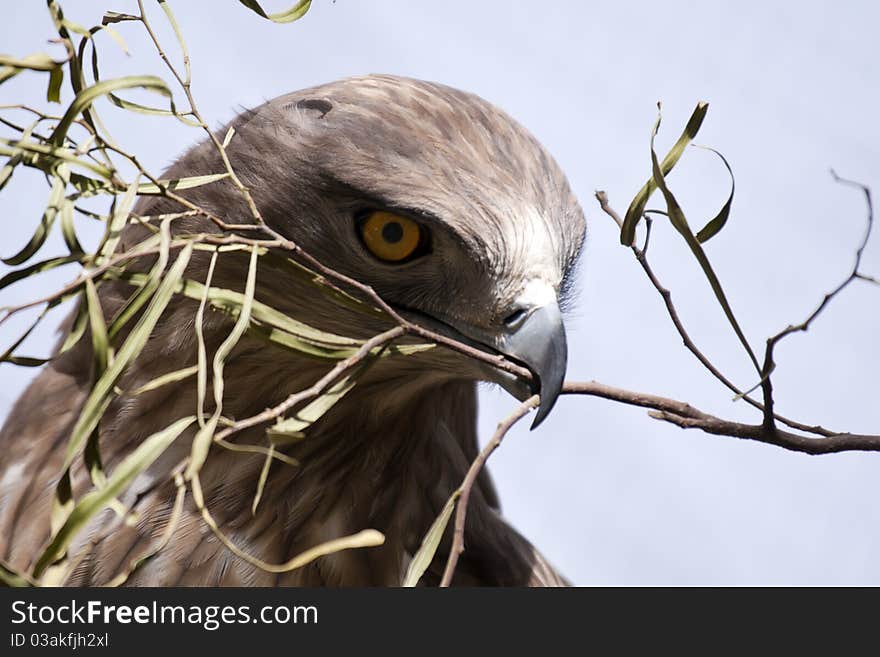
(769, 364)
(691, 346)
(669, 410)
(319, 386)
(686, 416)
(471, 477)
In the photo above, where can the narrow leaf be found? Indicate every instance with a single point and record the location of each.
(11, 578)
(56, 197)
(264, 475)
(165, 379)
(99, 397)
(98, 326)
(637, 206)
(93, 502)
(36, 268)
(311, 412)
(715, 225)
(678, 220)
(118, 220)
(46, 156)
(89, 95)
(202, 441)
(151, 284)
(425, 555)
(296, 12)
(53, 90)
(146, 189)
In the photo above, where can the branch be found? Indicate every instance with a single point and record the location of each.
(666, 295)
(669, 410)
(467, 485)
(687, 417)
(769, 363)
(319, 386)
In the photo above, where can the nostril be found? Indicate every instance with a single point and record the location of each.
(514, 318)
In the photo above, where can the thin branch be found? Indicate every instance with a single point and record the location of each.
(471, 477)
(686, 416)
(669, 410)
(318, 387)
(769, 363)
(691, 346)
(115, 260)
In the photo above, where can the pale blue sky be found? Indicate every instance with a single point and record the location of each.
(611, 496)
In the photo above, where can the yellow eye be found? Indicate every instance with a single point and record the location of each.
(389, 236)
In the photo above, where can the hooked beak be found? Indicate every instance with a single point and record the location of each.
(533, 335)
(538, 342)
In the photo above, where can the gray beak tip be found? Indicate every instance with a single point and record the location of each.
(540, 345)
(543, 412)
(550, 385)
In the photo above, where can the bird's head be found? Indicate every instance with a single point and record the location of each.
(448, 208)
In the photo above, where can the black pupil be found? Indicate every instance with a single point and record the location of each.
(392, 232)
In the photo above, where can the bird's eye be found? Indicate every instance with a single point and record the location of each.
(392, 237)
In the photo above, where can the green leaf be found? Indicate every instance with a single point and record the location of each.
(271, 323)
(37, 62)
(116, 37)
(291, 429)
(27, 361)
(56, 197)
(117, 17)
(98, 326)
(76, 332)
(165, 379)
(36, 268)
(68, 229)
(53, 90)
(15, 160)
(151, 283)
(178, 34)
(296, 12)
(147, 189)
(12, 66)
(95, 501)
(87, 186)
(292, 267)
(45, 157)
(204, 437)
(637, 206)
(261, 483)
(11, 578)
(79, 327)
(8, 356)
(158, 546)
(288, 430)
(100, 395)
(121, 102)
(89, 95)
(422, 559)
(91, 187)
(717, 222)
(113, 232)
(678, 220)
(228, 138)
(201, 351)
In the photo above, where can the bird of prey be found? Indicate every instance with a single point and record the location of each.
(457, 217)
